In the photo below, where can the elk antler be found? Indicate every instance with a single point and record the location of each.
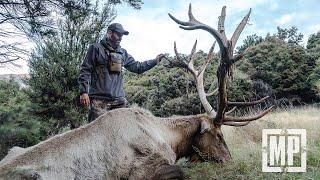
(198, 75)
(226, 60)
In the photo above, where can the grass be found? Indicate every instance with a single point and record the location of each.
(245, 147)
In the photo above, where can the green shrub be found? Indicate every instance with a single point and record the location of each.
(283, 67)
(17, 126)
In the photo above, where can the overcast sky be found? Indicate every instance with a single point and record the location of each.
(151, 31)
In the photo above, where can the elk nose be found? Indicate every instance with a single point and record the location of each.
(225, 159)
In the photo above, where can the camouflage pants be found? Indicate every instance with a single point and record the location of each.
(99, 106)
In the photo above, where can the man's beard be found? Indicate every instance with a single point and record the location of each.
(113, 44)
(116, 44)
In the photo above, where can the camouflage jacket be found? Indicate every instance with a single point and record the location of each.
(95, 78)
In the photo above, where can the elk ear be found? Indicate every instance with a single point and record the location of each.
(205, 126)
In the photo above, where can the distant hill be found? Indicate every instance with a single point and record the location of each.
(19, 78)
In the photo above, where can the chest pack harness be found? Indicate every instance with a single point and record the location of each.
(114, 59)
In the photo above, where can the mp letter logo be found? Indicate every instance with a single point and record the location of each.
(284, 150)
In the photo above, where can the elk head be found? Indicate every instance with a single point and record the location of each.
(209, 144)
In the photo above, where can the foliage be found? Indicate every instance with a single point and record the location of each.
(283, 67)
(251, 40)
(27, 18)
(134, 3)
(38, 17)
(291, 36)
(17, 126)
(313, 49)
(278, 65)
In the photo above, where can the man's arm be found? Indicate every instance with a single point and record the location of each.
(85, 76)
(139, 67)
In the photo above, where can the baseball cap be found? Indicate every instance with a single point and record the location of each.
(118, 28)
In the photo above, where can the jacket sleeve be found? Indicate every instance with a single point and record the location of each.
(86, 71)
(136, 66)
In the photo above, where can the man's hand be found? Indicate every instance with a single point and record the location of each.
(160, 57)
(84, 99)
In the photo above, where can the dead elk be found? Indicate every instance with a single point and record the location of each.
(131, 143)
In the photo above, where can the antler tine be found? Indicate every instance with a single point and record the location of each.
(193, 24)
(236, 123)
(215, 92)
(248, 103)
(209, 57)
(179, 62)
(191, 17)
(183, 23)
(210, 54)
(245, 119)
(186, 64)
(194, 48)
(236, 58)
(240, 56)
(239, 29)
(175, 50)
(192, 57)
(205, 65)
(221, 41)
(222, 18)
(231, 111)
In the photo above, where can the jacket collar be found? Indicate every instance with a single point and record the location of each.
(105, 42)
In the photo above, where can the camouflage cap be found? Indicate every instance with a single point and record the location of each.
(118, 28)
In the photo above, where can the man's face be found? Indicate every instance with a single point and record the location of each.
(115, 38)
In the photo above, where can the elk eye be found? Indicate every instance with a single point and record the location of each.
(220, 136)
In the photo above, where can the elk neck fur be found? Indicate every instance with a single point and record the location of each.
(181, 131)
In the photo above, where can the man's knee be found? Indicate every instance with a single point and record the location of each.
(97, 108)
(92, 115)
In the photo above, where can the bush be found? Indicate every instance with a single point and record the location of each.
(283, 67)
(17, 126)
(313, 49)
